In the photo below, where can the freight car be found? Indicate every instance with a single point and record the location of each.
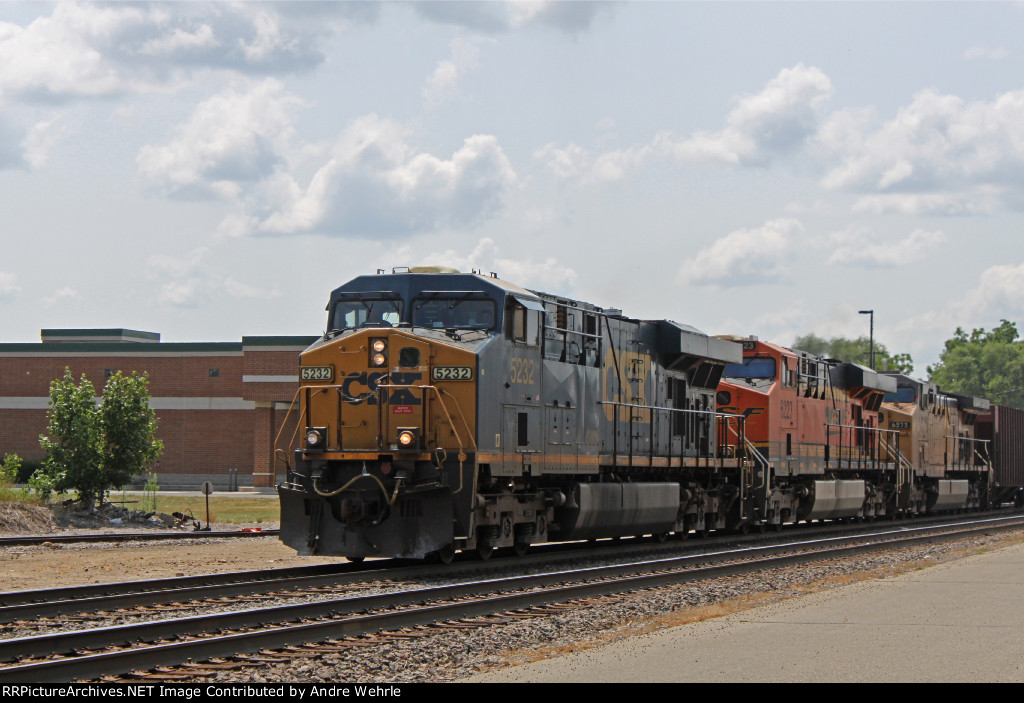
(445, 411)
(1003, 428)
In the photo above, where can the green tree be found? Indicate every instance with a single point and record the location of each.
(72, 441)
(92, 448)
(986, 364)
(128, 426)
(857, 351)
(9, 468)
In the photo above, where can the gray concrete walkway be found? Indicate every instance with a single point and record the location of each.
(960, 621)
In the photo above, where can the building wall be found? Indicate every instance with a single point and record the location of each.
(220, 406)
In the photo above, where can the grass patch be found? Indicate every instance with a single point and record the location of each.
(235, 511)
(10, 494)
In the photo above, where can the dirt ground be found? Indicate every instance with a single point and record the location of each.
(24, 568)
(53, 565)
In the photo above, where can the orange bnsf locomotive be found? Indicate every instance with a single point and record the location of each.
(444, 411)
(842, 441)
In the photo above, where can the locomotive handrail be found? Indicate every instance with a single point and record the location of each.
(718, 416)
(957, 462)
(868, 448)
(662, 407)
(284, 423)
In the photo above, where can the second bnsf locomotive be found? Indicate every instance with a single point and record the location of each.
(444, 411)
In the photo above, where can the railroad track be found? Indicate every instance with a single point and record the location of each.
(95, 602)
(130, 537)
(284, 631)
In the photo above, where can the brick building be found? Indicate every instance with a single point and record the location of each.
(220, 405)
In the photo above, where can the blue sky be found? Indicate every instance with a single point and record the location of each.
(213, 170)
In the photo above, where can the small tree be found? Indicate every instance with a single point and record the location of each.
(9, 468)
(72, 442)
(91, 449)
(128, 426)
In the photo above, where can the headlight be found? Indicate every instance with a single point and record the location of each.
(408, 438)
(316, 439)
(379, 345)
(379, 359)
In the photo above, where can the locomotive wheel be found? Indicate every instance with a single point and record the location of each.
(484, 552)
(445, 554)
(520, 548)
(661, 537)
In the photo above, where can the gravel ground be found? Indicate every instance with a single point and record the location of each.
(450, 654)
(447, 655)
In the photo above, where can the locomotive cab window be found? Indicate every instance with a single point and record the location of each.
(903, 394)
(753, 370)
(468, 310)
(524, 326)
(358, 311)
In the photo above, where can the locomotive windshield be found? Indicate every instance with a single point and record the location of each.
(366, 310)
(454, 310)
(753, 367)
(902, 395)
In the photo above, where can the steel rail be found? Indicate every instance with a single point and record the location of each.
(29, 604)
(91, 598)
(337, 618)
(129, 537)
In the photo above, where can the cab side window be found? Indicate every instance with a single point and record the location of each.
(524, 325)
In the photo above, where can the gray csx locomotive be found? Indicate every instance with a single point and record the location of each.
(445, 411)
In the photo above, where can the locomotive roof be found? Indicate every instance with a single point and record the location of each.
(850, 375)
(414, 282)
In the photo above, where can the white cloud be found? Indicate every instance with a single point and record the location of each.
(62, 296)
(443, 83)
(778, 120)
(986, 52)
(234, 137)
(964, 156)
(999, 294)
(9, 287)
(376, 183)
(180, 40)
(487, 257)
(743, 257)
(184, 293)
(191, 280)
(982, 200)
(570, 162)
(90, 50)
(860, 247)
(41, 139)
(496, 17)
(237, 289)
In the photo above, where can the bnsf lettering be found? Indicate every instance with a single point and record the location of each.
(362, 388)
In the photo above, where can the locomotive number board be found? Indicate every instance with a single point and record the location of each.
(901, 425)
(452, 373)
(316, 373)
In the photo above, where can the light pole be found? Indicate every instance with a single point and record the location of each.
(871, 363)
